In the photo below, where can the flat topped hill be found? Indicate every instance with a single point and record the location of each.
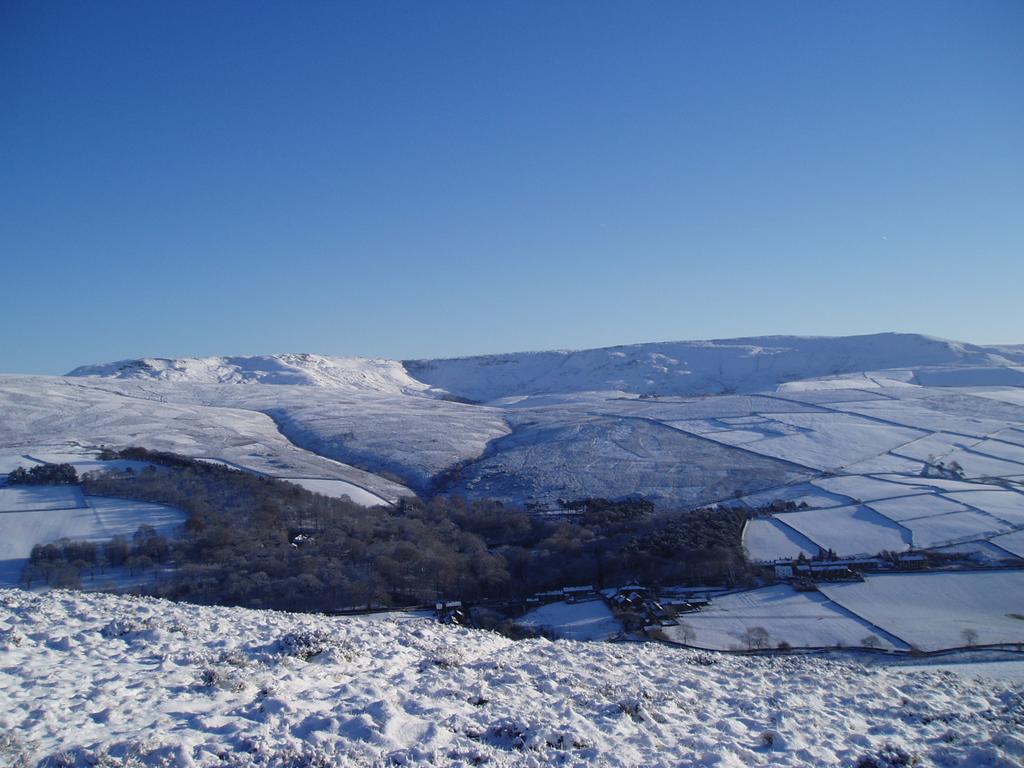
(680, 423)
(347, 373)
(662, 368)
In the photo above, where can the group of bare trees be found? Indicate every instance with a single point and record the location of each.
(259, 541)
(64, 563)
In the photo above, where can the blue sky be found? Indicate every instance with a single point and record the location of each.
(433, 179)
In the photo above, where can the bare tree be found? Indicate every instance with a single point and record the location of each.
(756, 638)
(970, 637)
(871, 641)
(685, 633)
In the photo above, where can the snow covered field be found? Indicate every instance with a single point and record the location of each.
(46, 516)
(850, 531)
(939, 530)
(90, 678)
(28, 498)
(767, 539)
(12, 461)
(1011, 542)
(856, 487)
(932, 610)
(1006, 505)
(338, 489)
(821, 441)
(912, 507)
(590, 620)
(929, 611)
(802, 619)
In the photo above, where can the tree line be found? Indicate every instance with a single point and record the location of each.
(63, 563)
(263, 542)
(43, 474)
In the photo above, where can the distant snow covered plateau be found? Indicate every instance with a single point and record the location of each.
(846, 425)
(681, 423)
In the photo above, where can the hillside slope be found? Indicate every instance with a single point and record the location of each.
(345, 373)
(707, 367)
(652, 420)
(131, 681)
(720, 366)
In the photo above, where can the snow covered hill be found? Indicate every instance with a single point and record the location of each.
(45, 415)
(653, 420)
(346, 373)
(104, 680)
(705, 367)
(667, 368)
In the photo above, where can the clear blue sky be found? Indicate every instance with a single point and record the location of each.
(430, 179)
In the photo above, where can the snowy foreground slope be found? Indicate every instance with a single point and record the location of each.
(91, 679)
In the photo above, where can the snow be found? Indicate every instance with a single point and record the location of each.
(1012, 395)
(697, 367)
(940, 483)
(588, 620)
(562, 456)
(1011, 542)
(955, 448)
(936, 446)
(958, 526)
(50, 416)
(989, 552)
(1006, 505)
(823, 441)
(26, 498)
(767, 539)
(972, 376)
(86, 462)
(96, 518)
(802, 619)
(799, 493)
(340, 373)
(850, 531)
(862, 488)
(910, 507)
(911, 514)
(123, 517)
(617, 421)
(412, 437)
(13, 461)
(932, 610)
(832, 388)
(94, 679)
(1012, 670)
(919, 415)
(981, 466)
(339, 489)
(885, 463)
(1001, 449)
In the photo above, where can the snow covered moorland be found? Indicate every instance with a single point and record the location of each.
(680, 423)
(103, 680)
(895, 442)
